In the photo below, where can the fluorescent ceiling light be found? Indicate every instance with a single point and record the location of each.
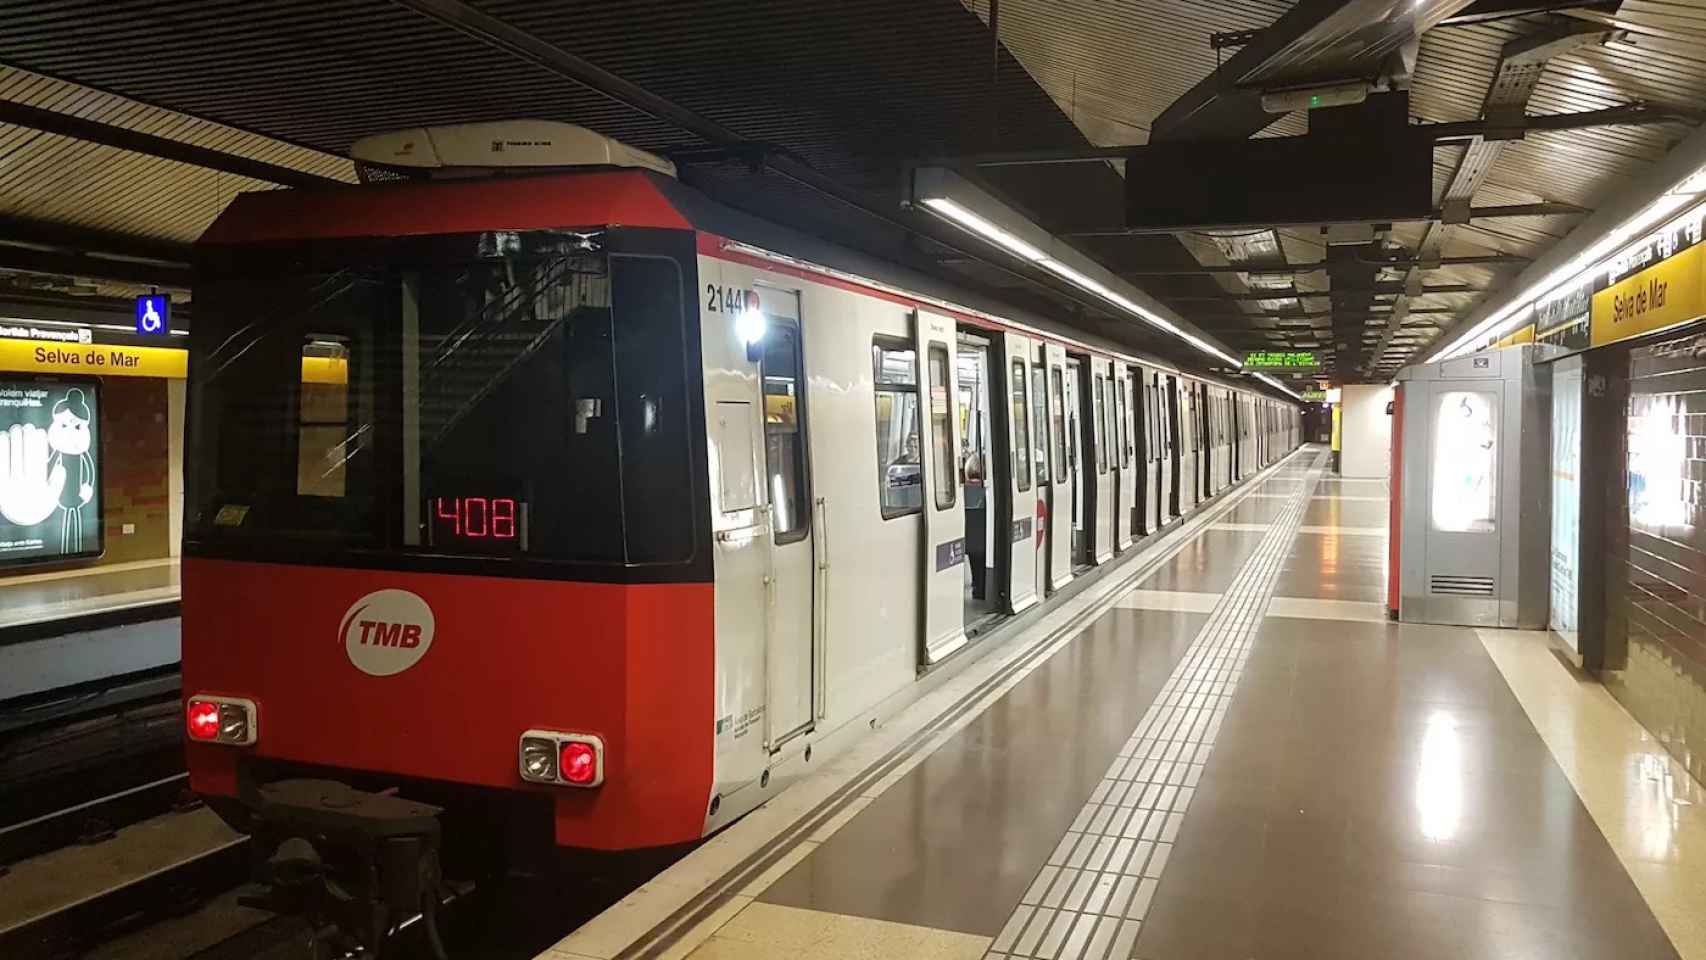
(1270, 381)
(984, 228)
(1613, 243)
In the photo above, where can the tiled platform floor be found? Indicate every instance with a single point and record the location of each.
(1243, 759)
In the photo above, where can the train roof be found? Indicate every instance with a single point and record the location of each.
(615, 197)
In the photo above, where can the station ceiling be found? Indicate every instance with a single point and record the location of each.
(126, 126)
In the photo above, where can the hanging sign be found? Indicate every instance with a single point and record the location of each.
(1281, 360)
(154, 314)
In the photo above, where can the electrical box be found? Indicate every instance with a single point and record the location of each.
(1474, 522)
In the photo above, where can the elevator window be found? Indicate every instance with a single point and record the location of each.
(1465, 465)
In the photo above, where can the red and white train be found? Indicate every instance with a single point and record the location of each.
(576, 508)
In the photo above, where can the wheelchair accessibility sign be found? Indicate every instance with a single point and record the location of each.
(154, 314)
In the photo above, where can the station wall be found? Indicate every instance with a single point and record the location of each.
(136, 472)
(1366, 432)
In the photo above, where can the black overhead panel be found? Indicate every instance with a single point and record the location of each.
(1316, 41)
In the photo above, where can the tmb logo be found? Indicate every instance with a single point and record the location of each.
(387, 632)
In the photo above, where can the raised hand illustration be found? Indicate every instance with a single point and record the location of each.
(30, 479)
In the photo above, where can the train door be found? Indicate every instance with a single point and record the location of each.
(1163, 503)
(1154, 509)
(1019, 544)
(790, 649)
(1101, 437)
(983, 584)
(1240, 462)
(1223, 446)
(1083, 471)
(1127, 501)
(1174, 443)
(942, 617)
(1042, 464)
(1205, 444)
(1190, 488)
(1063, 490)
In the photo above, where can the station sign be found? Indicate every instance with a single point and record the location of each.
(1665, 294)
(101, 359)
(1285, 360)
(1315, 396)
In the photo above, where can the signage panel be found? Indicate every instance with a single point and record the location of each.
(1315, 396)
(1566, 502)
(1281, 360)
(50, 476)
(1664, 294)
(107, 360)
(154, 314)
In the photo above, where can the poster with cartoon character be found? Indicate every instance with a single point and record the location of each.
(50, 479)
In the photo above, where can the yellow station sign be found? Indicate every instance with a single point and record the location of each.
(98, 359)
(1666, 293)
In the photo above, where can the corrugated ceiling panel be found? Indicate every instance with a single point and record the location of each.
(22, 86)
(1114, 65)
(54, 178)
(66, 180)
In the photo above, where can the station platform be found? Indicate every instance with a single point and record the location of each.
(63, 628)
(1223, 750)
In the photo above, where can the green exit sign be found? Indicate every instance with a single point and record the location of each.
(1281, 360)
(1315, 396)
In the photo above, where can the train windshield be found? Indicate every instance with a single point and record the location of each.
(517, 395)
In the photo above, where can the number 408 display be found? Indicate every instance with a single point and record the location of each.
(474, 518)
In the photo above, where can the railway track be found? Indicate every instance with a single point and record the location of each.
(170, 890)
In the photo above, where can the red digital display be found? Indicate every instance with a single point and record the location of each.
(487, 522)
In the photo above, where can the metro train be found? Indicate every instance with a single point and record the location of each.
(574, 509)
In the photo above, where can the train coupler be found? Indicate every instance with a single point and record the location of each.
(357, 865)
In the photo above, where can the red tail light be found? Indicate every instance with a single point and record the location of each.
(565, 759)
(224, 720)
(203, 719)
(579, 764)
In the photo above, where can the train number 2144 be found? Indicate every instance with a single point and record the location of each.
(728, 298)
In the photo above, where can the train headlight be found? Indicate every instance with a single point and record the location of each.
(750, 327)
(538, 759)
(226, 720)
(565, 759)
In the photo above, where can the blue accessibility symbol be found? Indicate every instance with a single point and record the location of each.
(154, 314)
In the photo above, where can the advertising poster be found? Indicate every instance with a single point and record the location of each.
(1566, 500)
(50, 478)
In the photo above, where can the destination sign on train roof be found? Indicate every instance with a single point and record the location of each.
(1281, 360)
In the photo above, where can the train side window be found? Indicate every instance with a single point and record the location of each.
(323, 420)
(1153, 422)
(1119, 423)
(1039, 416)
(1021, 428)
(942, 444)
(1097, 423)
(784, 433)
(900, 476)
(1111, 429)
(1059, 427)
